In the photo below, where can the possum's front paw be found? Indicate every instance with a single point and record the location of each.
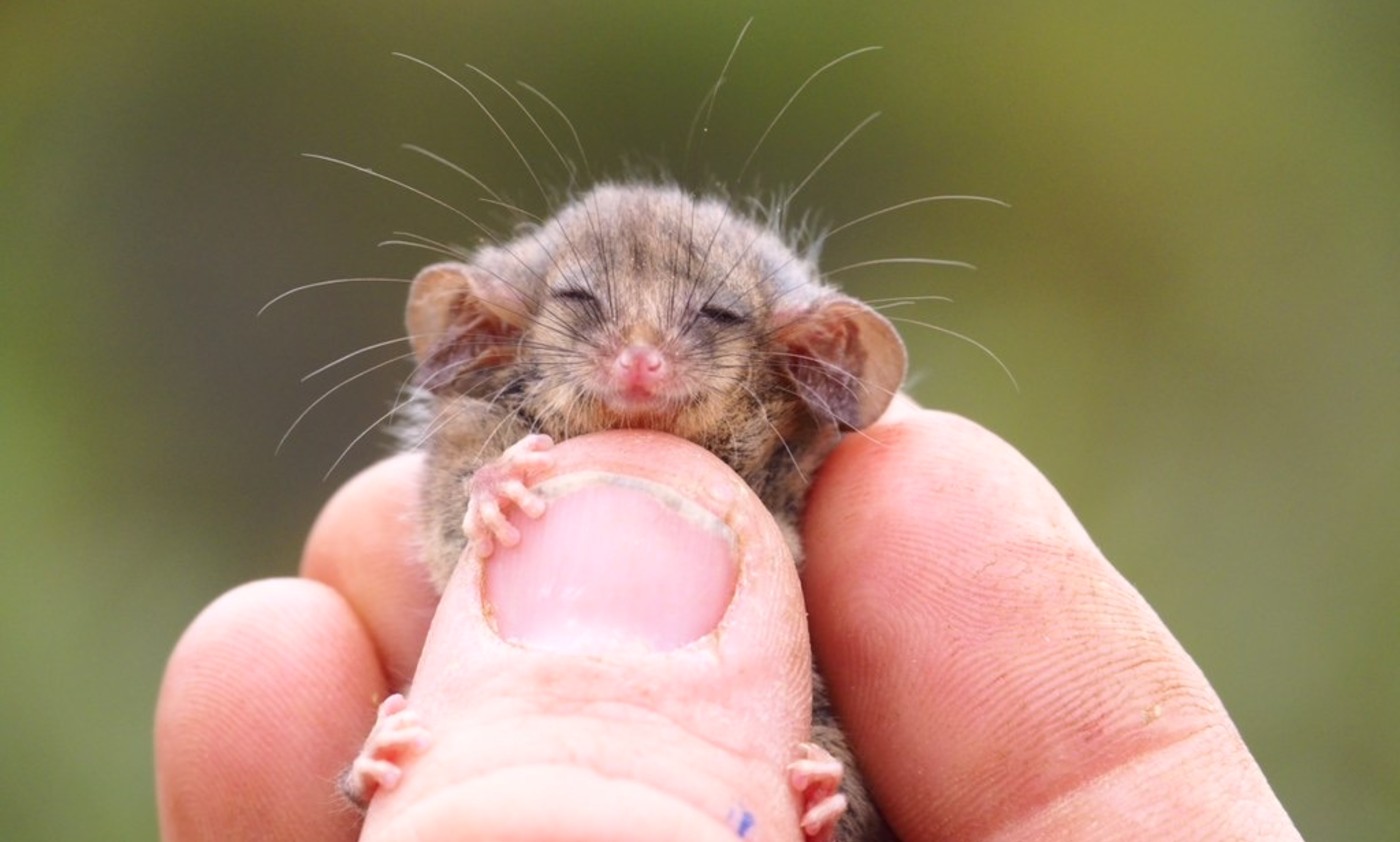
(816, 778)
(496, 486)
(396, 731)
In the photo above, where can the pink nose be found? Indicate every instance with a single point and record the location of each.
(640, 368)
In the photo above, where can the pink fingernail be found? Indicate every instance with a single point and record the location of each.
(614, 563)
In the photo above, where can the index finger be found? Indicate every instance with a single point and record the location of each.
(997, 676)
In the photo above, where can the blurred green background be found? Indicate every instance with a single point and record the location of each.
(1196, 288)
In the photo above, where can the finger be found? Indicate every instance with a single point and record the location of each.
(998, 678)
(364, 546)
(636, 668)
(264, 700)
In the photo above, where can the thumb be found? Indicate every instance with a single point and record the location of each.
(637, 667)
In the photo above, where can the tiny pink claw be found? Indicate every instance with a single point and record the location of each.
(816, 778)
(387, 775)
(819, 822)
(533, 506)
(507, 535)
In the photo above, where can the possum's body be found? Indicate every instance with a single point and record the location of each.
(641, 306)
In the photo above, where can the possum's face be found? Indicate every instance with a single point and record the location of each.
(640, 306)
(645, 345)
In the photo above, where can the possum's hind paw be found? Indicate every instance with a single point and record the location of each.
(396, 730)
(816, 778)
(497, 486)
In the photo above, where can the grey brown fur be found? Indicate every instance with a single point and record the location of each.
(766, 366)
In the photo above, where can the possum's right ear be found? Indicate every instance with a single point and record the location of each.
(450, 298)
(460, 318)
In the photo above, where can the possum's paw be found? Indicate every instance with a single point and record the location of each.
(497, 486)
(396, 731)
(816, 778)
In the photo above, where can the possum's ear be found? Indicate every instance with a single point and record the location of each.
(448, 298)
(846, 360)
(460, 319)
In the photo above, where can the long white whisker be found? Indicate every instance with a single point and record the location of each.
(906, 299)
(365, 350)
(926, 261)
(837, 148)
(445, 251)
(492, 117)
(578, 144)
(795, 94)
(433, 156)
(332, 390)
(332, 281)
(533, 217)
(969, 340)
(410, 188)
(380, 420)
(427, 241)
(902, 205)
(890, 305)
(568, 165)
(707, 105)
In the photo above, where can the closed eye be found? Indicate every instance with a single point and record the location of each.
(721, 316)
(576, 294)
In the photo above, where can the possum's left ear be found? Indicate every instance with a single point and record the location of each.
(846, 360)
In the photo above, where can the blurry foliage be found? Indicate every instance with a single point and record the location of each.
(1196, 289)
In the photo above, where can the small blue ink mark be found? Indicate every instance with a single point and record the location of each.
(741, 820)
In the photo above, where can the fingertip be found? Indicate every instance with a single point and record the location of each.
(973, 636)
(263, 702)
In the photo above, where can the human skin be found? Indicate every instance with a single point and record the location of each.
(997, 677)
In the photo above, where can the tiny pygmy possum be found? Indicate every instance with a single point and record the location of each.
(637, 304)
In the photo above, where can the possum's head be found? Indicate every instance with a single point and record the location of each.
(640, 306)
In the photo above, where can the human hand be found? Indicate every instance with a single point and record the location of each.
(997, 678)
